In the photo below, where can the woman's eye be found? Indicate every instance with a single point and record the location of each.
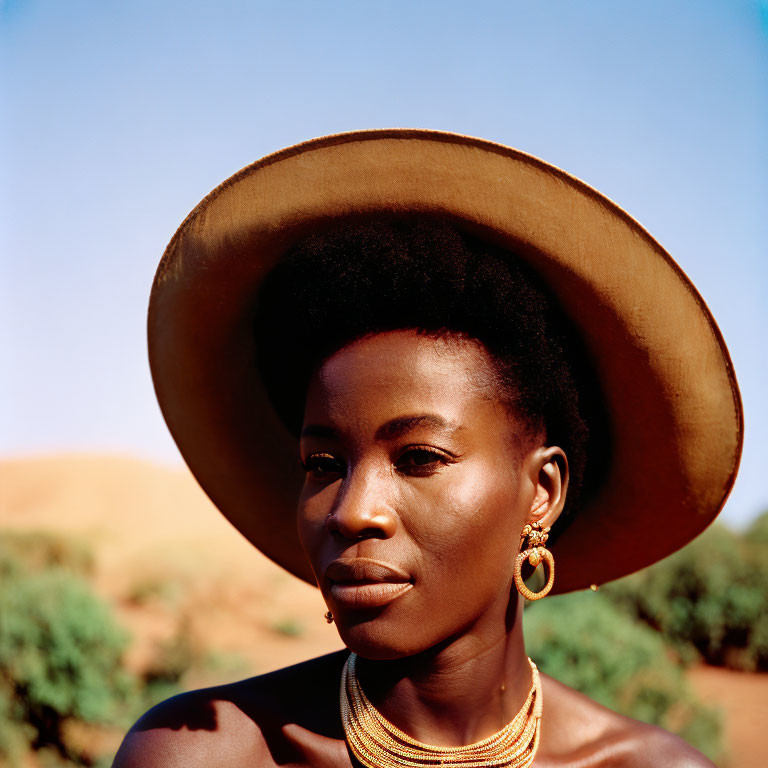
(323, 466)
(420, 462)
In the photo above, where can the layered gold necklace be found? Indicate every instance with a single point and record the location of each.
(377, 743)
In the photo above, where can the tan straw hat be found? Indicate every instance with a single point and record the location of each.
(670, 392)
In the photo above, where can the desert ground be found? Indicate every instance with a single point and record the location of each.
(169, 563)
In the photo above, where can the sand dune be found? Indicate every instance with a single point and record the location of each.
(124, 504)
(152, 528)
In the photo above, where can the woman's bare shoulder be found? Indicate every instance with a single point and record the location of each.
(237, 724)
(583, 732)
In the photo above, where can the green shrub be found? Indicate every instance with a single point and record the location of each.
(14, 734)
(757, 533)
(60, 649)
(37, 550)
(171, 662)
(154, 588)
(590, 644)
(710, 596)
(60, 656)
(288, 627)
(182, 661)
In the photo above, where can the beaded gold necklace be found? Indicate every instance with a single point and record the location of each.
(377, 743)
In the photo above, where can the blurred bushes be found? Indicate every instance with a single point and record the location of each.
(592, 645)
(710, 599)
(60, 649)
(626, 646)
(62, 672)
(757, 533)
(288, 627)
(35, 551)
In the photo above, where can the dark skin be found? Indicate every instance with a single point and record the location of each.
(412, 461)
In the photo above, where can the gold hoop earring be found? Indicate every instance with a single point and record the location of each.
(328, 617)
(534, 553)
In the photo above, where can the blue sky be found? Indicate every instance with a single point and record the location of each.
(117, 117)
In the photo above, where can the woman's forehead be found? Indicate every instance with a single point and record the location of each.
(430, 363)
(396, 375)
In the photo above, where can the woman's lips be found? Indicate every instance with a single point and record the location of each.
(368, 595)
(365, 583)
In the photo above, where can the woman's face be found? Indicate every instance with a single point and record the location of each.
(418, 484)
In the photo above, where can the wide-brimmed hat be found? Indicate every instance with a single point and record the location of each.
(669, 389)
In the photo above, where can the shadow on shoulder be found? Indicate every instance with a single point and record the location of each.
(244, 723)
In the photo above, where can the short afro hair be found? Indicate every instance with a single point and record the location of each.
(423, 273)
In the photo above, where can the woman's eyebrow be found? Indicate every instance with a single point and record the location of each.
(402, 424)
(390, 429)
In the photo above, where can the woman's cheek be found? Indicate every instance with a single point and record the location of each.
(474, 539)
(311, 517)
(467, 507)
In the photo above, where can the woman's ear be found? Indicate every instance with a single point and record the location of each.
(549, 471)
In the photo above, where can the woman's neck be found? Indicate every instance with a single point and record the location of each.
(457, 693)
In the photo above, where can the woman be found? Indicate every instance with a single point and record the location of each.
(488, 366)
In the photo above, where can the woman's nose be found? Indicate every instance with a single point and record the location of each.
(361, 510)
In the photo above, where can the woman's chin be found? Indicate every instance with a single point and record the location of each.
(381, 641)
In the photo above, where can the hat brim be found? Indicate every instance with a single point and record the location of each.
(670, 392)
